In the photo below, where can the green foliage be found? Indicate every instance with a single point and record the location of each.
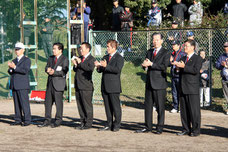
(11, 14)
(214, 21)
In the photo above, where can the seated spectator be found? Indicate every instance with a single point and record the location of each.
(154, 15)
(222, 64)
(196, 13)
(204, 81)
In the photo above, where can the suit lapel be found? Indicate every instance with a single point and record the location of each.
(113, 58)
(86, 59)
(58, 61)
(158, 55)
(21, 60)
(190, 60)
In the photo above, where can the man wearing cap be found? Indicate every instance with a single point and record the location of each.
(154, 14)
(116, 11)
(222, 64)
(47, 31)
(178, 11)
(156, 63)
(56, 68)
(190, 35)
(175, 74)
(19, 83)
(190, 66)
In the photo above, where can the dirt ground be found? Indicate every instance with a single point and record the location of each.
(214, 132)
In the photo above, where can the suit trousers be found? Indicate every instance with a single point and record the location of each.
(53, 96)
(21, 106)
(157, 97)
(112, 107)
(190, 112)
(85, 106)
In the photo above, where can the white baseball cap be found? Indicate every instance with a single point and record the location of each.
(19, 46)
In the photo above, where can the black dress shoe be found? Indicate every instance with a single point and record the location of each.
(25, 124)
(194, 135)
(158, 132)
(182, 133)
(142, 131)
(55, 125)
(16, 124)
(116, 129)
(104, 129)
(44, 125)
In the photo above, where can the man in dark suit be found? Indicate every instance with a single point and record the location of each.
(190, 66)
(156, 63)
(84, 67)
(56, 68)
(19, 70)
(111, 66)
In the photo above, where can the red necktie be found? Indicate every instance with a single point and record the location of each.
(187, 59)
(83, 59)
(155, 53)
(56, 60)
(109, 57)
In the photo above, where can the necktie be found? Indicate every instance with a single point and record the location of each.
(155, 53)
(83, 59)
(56, 60)
(109, 57)
(187, 59)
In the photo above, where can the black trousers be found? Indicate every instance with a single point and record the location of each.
(157, 97)
(21, 106)
(190, 112)
(85, 106)
(112, 108)
(53, 96)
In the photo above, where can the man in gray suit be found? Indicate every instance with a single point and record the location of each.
(56, 68)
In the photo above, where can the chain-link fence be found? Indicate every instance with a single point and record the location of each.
(133, 46)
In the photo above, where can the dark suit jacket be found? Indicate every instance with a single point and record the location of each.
(83, 76)
(61, 69)
(20, 76)
(111, 74)
(156, 74)
(190, 75)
